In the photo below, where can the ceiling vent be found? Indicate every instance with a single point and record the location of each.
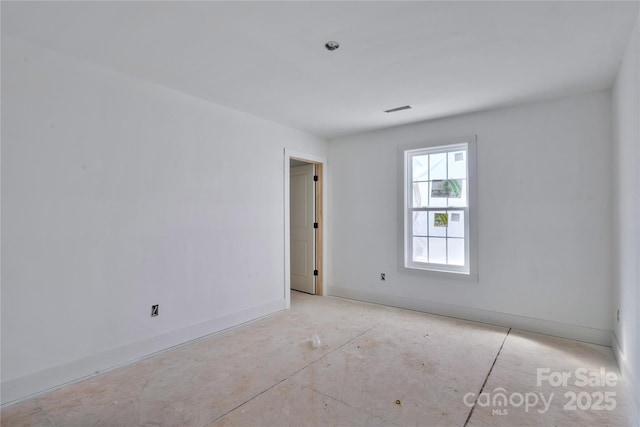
(393, 110)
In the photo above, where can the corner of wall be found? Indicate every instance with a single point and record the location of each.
(625, 100)
(633, 387)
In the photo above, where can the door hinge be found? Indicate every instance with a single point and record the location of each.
(315, 272)
(315, 225)
(315, 177)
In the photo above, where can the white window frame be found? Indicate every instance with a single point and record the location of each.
(470, 269)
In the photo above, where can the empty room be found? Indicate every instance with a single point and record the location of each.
(320, 213)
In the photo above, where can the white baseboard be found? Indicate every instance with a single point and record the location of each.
(27, 386)
(633, 387)
(546, 327)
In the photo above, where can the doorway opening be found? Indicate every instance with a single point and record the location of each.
(304, 225)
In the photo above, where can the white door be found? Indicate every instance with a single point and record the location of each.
(302, 207)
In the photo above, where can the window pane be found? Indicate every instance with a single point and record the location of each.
(437, 250)
(419, 249)
(438, 166)
(436, 230)
(456, 224)
(462, 200)
(455, 249)
(437, 202)
(457, 164)
(420, 195)
(420, 166)
(420, 223)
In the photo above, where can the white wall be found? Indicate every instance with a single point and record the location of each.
(544, 177)
(626, 243)
(118, 194)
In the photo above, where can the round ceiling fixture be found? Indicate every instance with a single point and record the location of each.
(331, 45)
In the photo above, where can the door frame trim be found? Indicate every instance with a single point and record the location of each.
(310, 158)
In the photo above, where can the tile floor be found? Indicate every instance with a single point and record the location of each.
(376, 366)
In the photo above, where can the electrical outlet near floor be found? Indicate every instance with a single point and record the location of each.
(383, 277)
(154, 310)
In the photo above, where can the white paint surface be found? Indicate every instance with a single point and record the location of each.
(544, 214)
(268, 58)
(118, 194)
(626, 243)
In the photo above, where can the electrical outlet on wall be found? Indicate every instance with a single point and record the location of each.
(154, 310)
(618, 315)
(383, 277)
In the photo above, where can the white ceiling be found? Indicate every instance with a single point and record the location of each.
(268, 58)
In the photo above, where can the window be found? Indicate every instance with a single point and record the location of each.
(438, 184)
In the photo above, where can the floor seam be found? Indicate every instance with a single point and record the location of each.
(251, 398)
(301, 369)
(349, 405)
(486, 378)
(332, 398)
(348, 342)
(44, 414)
